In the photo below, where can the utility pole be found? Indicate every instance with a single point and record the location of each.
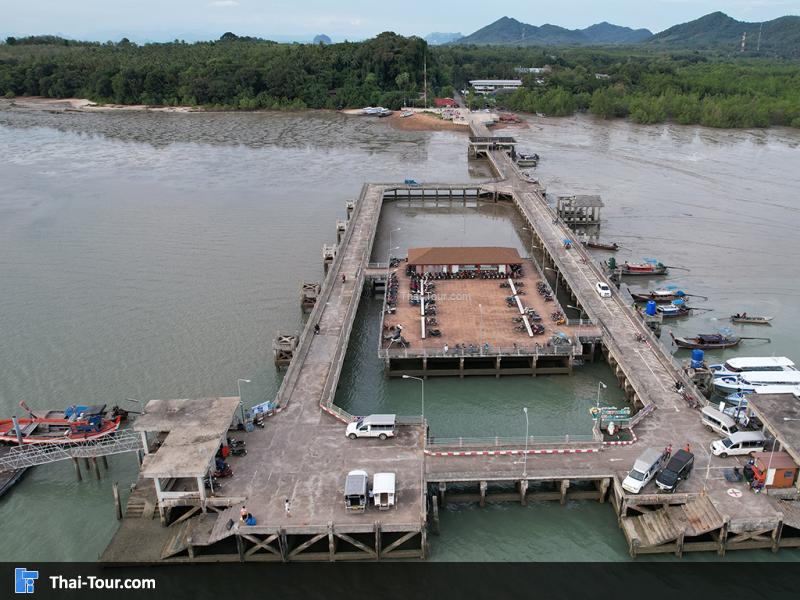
(758, 43)
(425, 79)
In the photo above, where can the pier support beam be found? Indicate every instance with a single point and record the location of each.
(483, 487)
(96, 468)
(331, 537)
(564, 488)
(442, 489)
(104, 462)
(603, 488)
(723, 537)
(523, 492)
(435, 513)
(117, 502)
(679, 544)
(77, 464)
(776, 536)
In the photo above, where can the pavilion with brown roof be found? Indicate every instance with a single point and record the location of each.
(463, 258)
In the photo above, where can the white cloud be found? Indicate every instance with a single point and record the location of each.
(223, 4)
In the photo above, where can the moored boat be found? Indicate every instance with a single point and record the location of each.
(777, 381)
(650, 267)
(612, 247)
(706, 341)
(661, 296)
(746, 364)
(754, 319)
(75, 424)
(672, 311)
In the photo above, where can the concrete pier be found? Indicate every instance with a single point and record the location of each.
(303, 456)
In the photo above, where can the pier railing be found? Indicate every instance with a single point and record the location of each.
(516, 442)
(306, 337)
(493, 351)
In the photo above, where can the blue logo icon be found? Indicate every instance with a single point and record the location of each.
(24, 580)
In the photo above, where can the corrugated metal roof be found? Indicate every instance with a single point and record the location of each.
(464, 255)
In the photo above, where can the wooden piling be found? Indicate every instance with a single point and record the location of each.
(77, 464)
(483, 487)
(104, 461)
(96, 468)
(523, 492)
(117, 502)
(564, 487)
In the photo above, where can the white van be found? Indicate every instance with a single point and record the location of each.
(379, 426)
(644, 469)
(718, 421)
(383, 490)
(355, 490)
(741, 442)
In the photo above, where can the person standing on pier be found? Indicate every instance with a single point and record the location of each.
(287, 507)
(344, 278)
(316, 328)
(446, 348)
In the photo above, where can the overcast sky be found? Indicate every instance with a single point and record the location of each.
(163, 20)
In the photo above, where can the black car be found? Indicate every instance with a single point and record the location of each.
(679, 467)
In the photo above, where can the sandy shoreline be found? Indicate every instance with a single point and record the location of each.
(419, 121)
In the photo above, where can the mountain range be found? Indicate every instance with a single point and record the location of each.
(510, 32)
(715, 31)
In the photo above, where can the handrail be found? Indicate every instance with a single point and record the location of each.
(527, 351)
(304, 343)
(498, 441)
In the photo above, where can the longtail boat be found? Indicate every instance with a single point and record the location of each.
(612, 247)
(754, 319)
(74, 424)
(711, 341)
(645, 268)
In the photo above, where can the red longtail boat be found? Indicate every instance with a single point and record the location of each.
(75, 424)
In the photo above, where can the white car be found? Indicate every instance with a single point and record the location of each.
(603, 290)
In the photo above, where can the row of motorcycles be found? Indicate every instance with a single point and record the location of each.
(544, 291)
(516, 271)
(423, 287)
(392, 285)
(221, 468)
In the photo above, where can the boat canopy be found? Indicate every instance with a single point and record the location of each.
(771, 377)
(751, 363)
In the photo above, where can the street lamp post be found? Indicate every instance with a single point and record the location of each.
(241, 404)
(389, 251)
(422, 381)
(602, 385)
(480, 341)
(580, 312)
(525, 460)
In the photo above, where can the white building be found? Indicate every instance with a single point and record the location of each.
(489, 86)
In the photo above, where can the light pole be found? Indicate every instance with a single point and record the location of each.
(600, 384)
(389, 251)
(422, 381)
(525, 460)
(480, 342)
(580, 311)
(241, 404)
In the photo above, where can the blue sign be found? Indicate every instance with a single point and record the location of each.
(24, 580)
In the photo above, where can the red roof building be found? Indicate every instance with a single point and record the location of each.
(445, 103)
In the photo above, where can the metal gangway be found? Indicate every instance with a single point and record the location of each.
(31, 455)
